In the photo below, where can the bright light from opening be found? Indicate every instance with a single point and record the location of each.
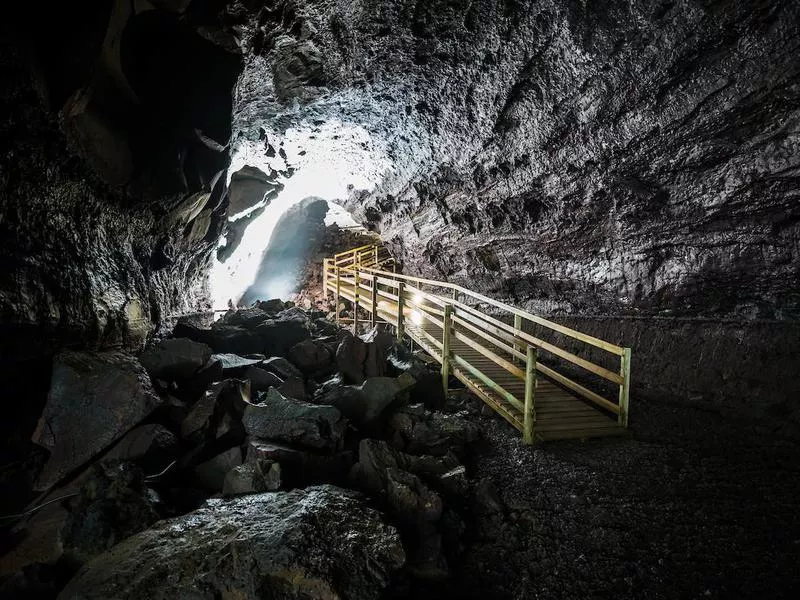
(329, 161)
(419, 299)
(416, 317)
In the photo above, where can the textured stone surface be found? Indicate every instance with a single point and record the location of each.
(317, 543)
(94, 400)
(569, 155)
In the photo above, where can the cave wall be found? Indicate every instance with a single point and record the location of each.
(617, 157)
(112, 195)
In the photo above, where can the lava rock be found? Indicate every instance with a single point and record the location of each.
(281, 367)
(223, 339)
(151, 447)
(175, 359)
(212, 474)
(278, 336)
(365, 404)
(317, 543)
(310, 356)
(252, 478)
(94, 399)
(113, 504)
(233, 363)
(283, 419)
(301, 467)
(261, 379)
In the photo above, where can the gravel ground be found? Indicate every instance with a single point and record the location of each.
(689, 506)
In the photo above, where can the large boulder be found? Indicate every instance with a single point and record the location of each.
(261, 379)
(279, 335)
(252, 478)
(234, 364)
(224, 339)
(366, 403)
(300, 467)
(283, 419)
(310, 356)
(175, 359)
(151, 446)
(113, 503)
(94, 399)
(211, 474)
(316, 543)
(281, 367)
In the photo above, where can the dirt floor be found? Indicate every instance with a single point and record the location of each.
(689, 506)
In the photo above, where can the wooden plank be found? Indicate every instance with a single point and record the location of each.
(491, 384)
(511, 368)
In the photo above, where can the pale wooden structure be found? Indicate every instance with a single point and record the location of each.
(499, 361)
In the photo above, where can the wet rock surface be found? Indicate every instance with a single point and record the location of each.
(321, 542)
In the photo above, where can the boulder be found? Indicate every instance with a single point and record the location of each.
(233, 363)
(301, 467)
(310, 356)
(252, 478)
(281, 367)
(410, 499)
(316, 543)
(94, 399)
(211, 474)
(225, 339)
(247, 189)
(113, 504)
(350, 357)
(190, 390)
(273, 307)
(445, 474)
(280, 418)
(217, 412)
(365, 404)
(175, 359)
(249, 318)
(278, 336)
(152, 447)
(294, 387)
(261, 379)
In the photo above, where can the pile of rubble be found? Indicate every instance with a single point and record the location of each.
(317, 464)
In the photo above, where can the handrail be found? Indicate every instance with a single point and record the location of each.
(486, 338)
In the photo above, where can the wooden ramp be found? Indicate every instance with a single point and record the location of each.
(498, 360)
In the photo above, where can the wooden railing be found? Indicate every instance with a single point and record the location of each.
(496, 333)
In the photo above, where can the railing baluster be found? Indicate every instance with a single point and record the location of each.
(624, 387)
(530, 391)
(374, 299)
(517, 330)
(355, 301)
(338, 291)
(400, 324)
(447, 323)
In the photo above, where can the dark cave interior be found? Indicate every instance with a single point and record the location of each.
(182, 415)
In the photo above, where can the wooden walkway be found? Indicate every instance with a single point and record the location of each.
(497, 361)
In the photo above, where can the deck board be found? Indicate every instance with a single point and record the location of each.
(559, 414)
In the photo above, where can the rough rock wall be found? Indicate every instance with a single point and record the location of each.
(575, 156)
(111, 187)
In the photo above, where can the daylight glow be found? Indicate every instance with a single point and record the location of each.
(329, 161)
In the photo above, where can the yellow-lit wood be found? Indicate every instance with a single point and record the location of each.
(484, 351)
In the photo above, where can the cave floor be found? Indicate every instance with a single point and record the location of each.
(692, 505)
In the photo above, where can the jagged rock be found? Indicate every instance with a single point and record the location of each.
(316, 543)
(223, 339)
(249, 318)
(252, 478)
(272, 307)
(190, 390)
(410, 499)
(301, 467)
(293, 388)
(487, 499)
(429, 390)
(281, 367)
(365, 404)
(217, 412)
(247, 189)
(278, 336)
(416, 434)
(283, 419)
(151, 447)
(261, 380)
(445, 473)
(232, 363)
(175, 359)
(212, 473)
(113, 504)
(350, 357)
(94, 399)
(310, 356)
(460, 431)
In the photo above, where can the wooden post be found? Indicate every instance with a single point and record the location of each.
(447, 324)
(624, 387)
(530, 390)
(325, 277)
(400, 325)
(455, 294)
(355, 301)
(517, 329)
(376, 257)
(374, 299)
(338, 292)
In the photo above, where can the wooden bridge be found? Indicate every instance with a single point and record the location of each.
(498, 351)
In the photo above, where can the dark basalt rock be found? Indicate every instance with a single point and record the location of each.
(175, 359)
(318, 543)
(301, 467)
(95, 398)
(223, 339)
(282, 419)
(367, 403)
(310, 356)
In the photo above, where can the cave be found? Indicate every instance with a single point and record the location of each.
(203, 396)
